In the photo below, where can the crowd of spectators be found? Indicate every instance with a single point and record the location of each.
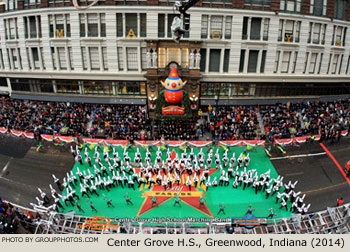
(233, 123)
(177, 129)
(310, 118)
(14, 220)
(131, 121)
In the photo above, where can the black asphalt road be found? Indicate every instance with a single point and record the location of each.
(317, 176)
(26, 170)
(22, 170)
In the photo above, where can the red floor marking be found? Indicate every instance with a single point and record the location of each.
(335, 161)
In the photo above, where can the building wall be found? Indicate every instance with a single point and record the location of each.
(240, 10)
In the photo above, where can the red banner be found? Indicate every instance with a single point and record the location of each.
(173, 110)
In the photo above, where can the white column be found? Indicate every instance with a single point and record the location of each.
(339, 64)
(308, 63)
(12, 65)
(207, 61)
(248, 28)
(335, 35)
(100, 54)
(40, 58)
(312, 33)
(258, 66)
(86, 25)
(125, 59)
(54, 25)
(280, 61)
(246, 59)
(28, 27)
(58, 65)
(342, 37)
(54, 86)
(291, 61)
(124, 25)
(166, 26)
(31, 58)
(209, 30)
(19, 61)
(223, 29)
(138, 25)
(284, 28)
(98, 25)
(37, 26)
(221, 67)
(331, 63)
(88, 58)
(262, 29)
(139, 55)
(65, 26)
(67, 57)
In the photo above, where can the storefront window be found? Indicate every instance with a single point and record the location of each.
(131, 88)
(97, 87)
(67, 86)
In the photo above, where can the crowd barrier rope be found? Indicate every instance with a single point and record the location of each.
(170, 143)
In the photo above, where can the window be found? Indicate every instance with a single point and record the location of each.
(11, 30)
(263, 60)
(14, 58)
(216, 27)
(71, 58)
(255, 29)
(320, 64)
(94, 58)
(341, 63)
(289, 30)
(253, 61)
(214, 61)
(241, 61)
(285, 62)
(312, 66)
(103, 24)
(277, 61)
(130, 24)
(92, 19)
(257, 2)
(35, 54)
(306, 60)
(105, 59)
(341, 9)
(84, 57)
(132, 58)
(144, 58)
(82, 25)
(228, 27)
(204, 28)
(120, 58)
(290, 5)
(226, 60)
(62, 58)
(53, 58)
(170, 22)
(347, 66)
(184, 57)
(339, 35)
(119, 25)
(266, 29)
(2, 60)
(143, 23)
(324, 28)
(316, 34)
(245, 28)
(161, 27)
(203, 53)
(318, 7)
(335, 63)
(329, 63)
(294, 62)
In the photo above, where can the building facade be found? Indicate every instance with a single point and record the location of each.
(118, 51)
